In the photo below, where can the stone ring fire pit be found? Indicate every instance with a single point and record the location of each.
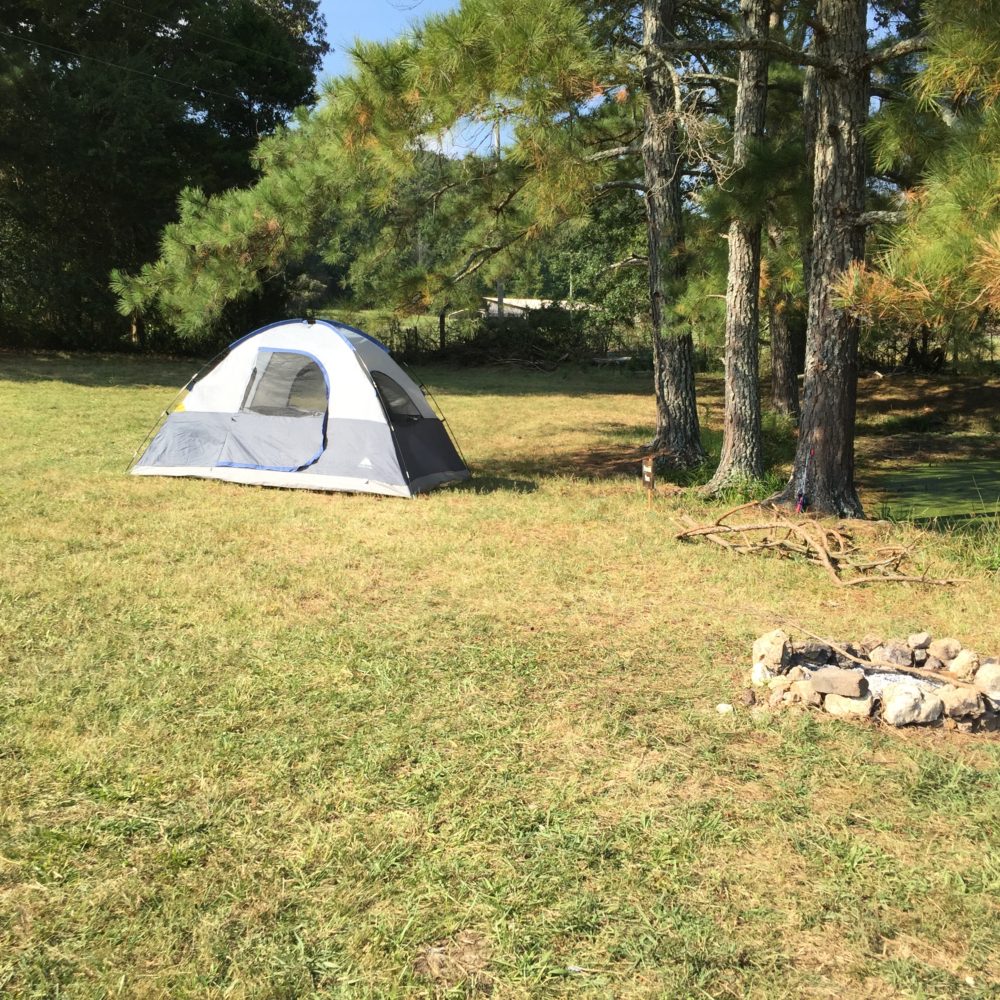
(919, 680)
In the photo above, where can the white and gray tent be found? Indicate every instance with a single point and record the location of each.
(313, 405)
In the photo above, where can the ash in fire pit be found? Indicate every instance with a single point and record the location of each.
(919, 680)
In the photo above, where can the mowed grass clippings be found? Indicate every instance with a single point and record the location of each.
(264, 743)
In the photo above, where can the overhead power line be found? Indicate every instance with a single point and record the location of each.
(130, 69)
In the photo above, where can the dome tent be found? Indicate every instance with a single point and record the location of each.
(312, 405)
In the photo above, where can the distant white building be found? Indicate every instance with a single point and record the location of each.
(521, 307)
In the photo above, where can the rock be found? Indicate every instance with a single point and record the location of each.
(901, 704)
(869, 642)
(989, 723)
(919, 640)
(774, 650)
(781, 684)
(907, 703)
(920, 657)
(933, 663)
(960, 703)
(845, 661)
(798, 674)
(988, 680)
(897, 653)
(964, 665)
(843, 707)
(803, 693)
(835, 680)
(811, 652)
(944, 649)
(778, 693)
(748, 698)
(724, 709)
(760, 674)
(931, 708)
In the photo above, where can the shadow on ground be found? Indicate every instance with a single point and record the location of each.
(484, 483)
(98, 371)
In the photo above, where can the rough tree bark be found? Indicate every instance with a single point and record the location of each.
(823, 474)
(742, 450)
(810, 109)
(785, 353)
(678, 437)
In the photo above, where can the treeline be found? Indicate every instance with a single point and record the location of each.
(108, 110)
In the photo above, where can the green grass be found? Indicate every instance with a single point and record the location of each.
(275, 744)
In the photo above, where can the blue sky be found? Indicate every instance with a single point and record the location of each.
(376, 20)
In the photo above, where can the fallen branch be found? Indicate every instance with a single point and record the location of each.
(833, 548)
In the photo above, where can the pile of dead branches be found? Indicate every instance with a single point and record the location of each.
(830, 545)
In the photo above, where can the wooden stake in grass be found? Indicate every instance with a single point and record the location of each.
(649, 478)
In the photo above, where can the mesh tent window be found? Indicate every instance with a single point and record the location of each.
(285, 384)
(395, 399)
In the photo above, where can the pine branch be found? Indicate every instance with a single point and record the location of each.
(608, 154)
(632, 185)
(876, 57)
(875, 218)
(788, 53)
(482, 255)
(633, 261)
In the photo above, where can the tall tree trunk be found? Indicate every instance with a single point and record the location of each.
(810, 109)
(785, 359)
(742, 450)
(784, 379)
(678, 438)
(823, 475)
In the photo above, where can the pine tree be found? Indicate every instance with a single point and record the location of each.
(107, 111)
(742, 460)
(938, 275)
(677, 440)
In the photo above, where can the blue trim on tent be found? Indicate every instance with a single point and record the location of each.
(329, 324)
(326, 413)
(262, 329)
(360, 333)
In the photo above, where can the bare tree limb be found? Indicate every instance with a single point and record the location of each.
(904, 48)
(786, 52)
(633, 185)
(609, 154)
(875, 218)
(633, 261)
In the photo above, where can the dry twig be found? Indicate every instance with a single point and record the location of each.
(833, 548)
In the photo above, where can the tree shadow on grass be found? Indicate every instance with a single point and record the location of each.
(943, 394)
(483, 484)
(573, 380)
(620, 455)
(98, 371)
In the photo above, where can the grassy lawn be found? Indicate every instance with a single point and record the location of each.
(263, 743)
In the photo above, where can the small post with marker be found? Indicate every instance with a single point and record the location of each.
(649, 478)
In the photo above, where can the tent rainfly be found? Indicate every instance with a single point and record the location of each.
(312, 405)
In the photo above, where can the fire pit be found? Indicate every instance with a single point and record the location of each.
(914, 681)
